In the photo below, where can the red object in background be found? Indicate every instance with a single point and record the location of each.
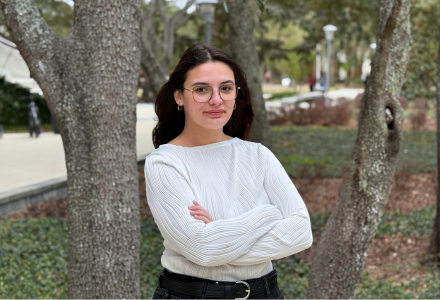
(311, 81)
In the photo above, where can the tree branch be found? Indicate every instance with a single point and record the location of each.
(181, 17)
(28, 29)
(35, 40)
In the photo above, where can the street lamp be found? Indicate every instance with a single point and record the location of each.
(318, 67)
(207, 10)
(329, 32)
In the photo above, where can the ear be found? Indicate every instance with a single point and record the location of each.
(178, 97)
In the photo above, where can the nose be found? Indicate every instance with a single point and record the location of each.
(215, 99)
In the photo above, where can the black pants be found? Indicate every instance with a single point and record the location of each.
(162, 293)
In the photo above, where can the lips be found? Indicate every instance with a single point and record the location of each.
(217, 112)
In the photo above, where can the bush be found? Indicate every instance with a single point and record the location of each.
(418, 118)
(316, 114)
(13, 105)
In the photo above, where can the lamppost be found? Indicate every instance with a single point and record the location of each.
(318, 67)
(207, 10)
(329, 32)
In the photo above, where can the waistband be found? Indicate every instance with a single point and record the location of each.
(196, 286)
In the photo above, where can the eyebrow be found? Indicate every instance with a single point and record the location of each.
(204, 83)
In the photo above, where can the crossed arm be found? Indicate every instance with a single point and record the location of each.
(267, 232)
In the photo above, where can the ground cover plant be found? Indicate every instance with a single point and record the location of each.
(325, 151)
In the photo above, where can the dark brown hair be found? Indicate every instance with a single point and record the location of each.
(172, 121)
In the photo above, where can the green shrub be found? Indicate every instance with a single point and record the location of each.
(13, 105)
(418, 223)
(385, 289)
(33, 258)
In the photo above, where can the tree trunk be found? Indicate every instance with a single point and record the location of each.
(435, 241)
(157, 71)
(244, 50)
(152, 72)
(344, 245)
(89, 82)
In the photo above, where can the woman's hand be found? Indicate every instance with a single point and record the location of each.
(199, 213)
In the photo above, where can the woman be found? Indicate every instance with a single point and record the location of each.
(224, 206)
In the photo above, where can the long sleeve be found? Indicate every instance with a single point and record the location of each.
(292, 234)
(217, 243)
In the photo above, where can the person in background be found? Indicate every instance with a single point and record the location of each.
(267, 77)
(311, 81)
(34, 119)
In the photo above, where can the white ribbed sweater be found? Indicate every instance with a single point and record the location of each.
(258, 215)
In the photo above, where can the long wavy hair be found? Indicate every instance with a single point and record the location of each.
(171, 121)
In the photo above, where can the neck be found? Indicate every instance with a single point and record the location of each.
(198, 136)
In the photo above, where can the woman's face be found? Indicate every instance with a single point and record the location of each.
(216, 75)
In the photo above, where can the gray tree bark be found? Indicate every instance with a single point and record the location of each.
(157, 68)
(344, 244)
(89, 81)
(244, 50)
(435, 241)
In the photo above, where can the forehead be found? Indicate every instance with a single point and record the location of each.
(210, 72)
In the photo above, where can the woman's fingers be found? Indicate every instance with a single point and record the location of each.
(199, 213)
(202, 218)
(198, 208)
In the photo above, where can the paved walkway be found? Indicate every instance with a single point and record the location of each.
(25, 161)
(341, 93)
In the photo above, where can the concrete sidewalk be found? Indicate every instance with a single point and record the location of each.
(26, 161)
(333, 95)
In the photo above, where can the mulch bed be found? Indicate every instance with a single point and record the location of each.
(408, 193)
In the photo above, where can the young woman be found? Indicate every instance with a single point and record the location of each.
(224, 206)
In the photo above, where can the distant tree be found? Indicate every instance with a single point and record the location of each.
(339, 259)
(422, 68)
(435, 240)
(244, 50)
(57, 14)
(158, 44)
(89, 81)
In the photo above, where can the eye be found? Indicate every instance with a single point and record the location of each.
(200, 89)
(226, 88)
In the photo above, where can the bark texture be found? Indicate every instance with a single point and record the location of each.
(344, 244)
(157, 53)
(435, 242)
(89, 81)
(244, 50)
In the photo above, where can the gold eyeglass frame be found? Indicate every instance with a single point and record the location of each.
(236, 95)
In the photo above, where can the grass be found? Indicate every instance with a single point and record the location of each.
(281, 95)
(311, 151)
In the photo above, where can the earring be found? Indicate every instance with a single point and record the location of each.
(235, 106)
(179, 107)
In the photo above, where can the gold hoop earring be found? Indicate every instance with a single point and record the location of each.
(179, 107)
(235, 106)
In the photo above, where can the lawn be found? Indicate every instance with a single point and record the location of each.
(323, 151)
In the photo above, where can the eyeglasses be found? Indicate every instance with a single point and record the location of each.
(227, 92)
